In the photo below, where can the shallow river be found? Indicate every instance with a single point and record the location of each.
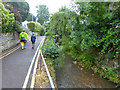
(74, 76)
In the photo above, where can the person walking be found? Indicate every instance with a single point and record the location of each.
(23, 39)
(33, 39)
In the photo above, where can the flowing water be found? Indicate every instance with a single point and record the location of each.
(74, 76)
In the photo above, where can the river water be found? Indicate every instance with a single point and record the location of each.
(74, 76)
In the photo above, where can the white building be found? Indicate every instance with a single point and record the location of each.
(24, 24)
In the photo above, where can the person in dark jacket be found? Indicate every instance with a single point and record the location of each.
(33, 39)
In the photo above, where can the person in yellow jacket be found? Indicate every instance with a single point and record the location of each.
(23, 39)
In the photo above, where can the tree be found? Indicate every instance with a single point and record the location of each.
(42, 14)
(20, 9)
(17, 14)
(31, 17)
(61, 24)
(91, 34)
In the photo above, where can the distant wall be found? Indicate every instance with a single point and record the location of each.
(8, 40)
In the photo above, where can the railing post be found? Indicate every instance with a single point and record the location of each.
(40, 63)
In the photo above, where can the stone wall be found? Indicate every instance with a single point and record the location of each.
(8, 40)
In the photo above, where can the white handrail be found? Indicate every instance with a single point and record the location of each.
(30, 68)
(49, 77)
(35, 67)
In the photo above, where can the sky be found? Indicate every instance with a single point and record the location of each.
(53, 5)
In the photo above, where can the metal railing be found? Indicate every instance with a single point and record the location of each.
(48, 74)
(33, 66)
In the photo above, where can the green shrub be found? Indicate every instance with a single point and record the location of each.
(54, 52)
(90, 25)
(87, 59)
(17, 27)
(7, 19)
(34, 26)
(42, 31)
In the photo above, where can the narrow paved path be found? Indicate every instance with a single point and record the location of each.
(16, 65)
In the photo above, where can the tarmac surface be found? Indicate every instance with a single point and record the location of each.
(15, 66)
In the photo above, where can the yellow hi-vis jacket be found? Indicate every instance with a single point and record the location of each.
(23, 34)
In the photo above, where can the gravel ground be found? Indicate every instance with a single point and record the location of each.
(42, 78)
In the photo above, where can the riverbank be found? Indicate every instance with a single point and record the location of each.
(73, 75)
